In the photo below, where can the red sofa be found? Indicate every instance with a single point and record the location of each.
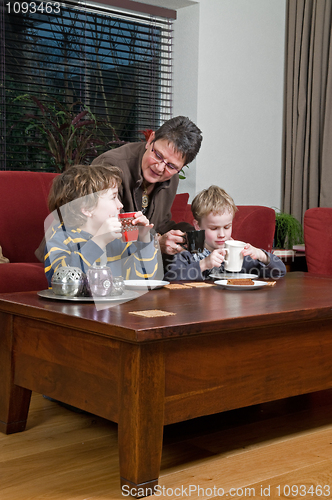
(23, 203)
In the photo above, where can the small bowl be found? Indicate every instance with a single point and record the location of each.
(68, 282)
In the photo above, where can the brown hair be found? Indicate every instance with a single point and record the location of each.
(80, 186)
(183, 134)
(213, 199)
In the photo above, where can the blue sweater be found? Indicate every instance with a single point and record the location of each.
(184, 267)
(73, 247)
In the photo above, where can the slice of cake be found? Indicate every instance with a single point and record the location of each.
(245, 281)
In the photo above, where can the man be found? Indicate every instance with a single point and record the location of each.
(150, 176)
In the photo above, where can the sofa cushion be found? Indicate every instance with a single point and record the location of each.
(24, 208)
(22, 277)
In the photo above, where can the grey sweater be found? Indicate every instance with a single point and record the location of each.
(184, 267)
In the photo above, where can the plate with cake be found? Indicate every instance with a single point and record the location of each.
(240, 284)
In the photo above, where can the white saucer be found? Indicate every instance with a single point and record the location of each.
(145, 284)
(257, 284)
(232, 276)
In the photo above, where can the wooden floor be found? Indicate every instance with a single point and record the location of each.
(250, 452)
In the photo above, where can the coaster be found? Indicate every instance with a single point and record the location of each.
(177, 286)
(198, 284)
(152, 313)
(189, 284)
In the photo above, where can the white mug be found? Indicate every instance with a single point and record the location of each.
(233, 258)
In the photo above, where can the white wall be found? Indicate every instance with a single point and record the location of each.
(228, 78)
(186, 70)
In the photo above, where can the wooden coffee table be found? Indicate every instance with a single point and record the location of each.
(221, 350)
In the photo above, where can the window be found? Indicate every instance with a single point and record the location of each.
(118, 64)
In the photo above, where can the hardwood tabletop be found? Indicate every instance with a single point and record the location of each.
(297, 297)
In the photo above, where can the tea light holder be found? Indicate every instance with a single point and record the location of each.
(99, 281)
(68, 281)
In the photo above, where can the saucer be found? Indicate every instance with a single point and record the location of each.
(144, 284)
(229, 275)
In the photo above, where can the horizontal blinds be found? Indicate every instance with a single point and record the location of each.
(119, 65)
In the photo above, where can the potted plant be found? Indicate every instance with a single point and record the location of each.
(288, 232)
(67, 133)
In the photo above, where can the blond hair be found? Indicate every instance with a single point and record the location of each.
(212, 200)
(81, 186)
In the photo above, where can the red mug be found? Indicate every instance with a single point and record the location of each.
(129, 232)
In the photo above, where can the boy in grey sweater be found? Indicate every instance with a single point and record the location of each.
(213, 210)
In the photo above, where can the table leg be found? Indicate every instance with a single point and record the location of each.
(14, 400)
(141, 417)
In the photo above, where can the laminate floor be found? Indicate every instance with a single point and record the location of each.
(276, 450)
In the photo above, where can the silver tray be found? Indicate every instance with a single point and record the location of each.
(127, 295)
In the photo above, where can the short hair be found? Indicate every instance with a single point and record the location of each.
(80, 186)
(183, 134)
(213, 199)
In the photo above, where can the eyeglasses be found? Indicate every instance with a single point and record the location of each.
(169, 166)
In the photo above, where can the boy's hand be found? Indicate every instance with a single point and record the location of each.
(215, 259)
(144, 226)
(255, 253)
(110, 230)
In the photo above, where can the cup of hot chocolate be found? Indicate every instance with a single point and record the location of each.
(234, 257)
(129, 232)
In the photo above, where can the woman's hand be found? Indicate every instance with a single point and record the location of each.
(110, 230)
(215, 259)
(170, 243)
(255, 254)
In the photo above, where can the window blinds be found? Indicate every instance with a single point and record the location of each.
(119, 64)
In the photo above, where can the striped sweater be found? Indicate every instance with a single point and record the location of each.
(73, 247)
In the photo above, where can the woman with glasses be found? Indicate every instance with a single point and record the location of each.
(150, 175)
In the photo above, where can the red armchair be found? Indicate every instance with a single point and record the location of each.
(23, 202)
(256, 225)
(318, 240)
(252, 223)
